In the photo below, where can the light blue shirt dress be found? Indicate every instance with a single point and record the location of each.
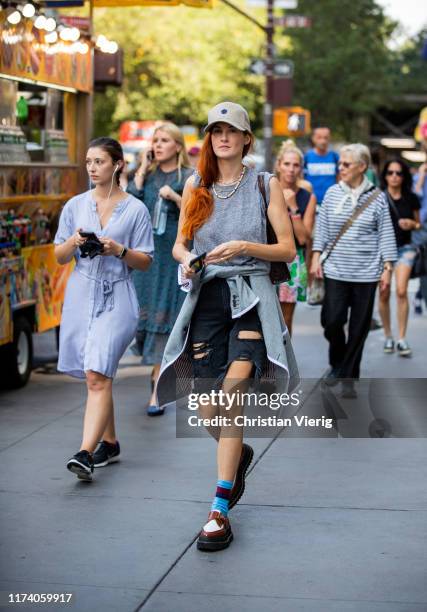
(100, 313)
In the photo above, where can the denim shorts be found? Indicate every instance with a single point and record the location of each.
(406, 255)
(216, 335)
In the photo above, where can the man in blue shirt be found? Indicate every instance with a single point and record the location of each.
(320, 164)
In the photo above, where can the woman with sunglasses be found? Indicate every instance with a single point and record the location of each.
(404, 207)
(362, 256)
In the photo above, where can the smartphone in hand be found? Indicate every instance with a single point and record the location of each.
(89, 235)
(198, 262)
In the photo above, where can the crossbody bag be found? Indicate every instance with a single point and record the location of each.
(279, 271)
(316, 292)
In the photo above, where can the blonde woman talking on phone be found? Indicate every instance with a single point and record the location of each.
(159, 183)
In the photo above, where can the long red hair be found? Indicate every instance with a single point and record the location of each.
(200, 203)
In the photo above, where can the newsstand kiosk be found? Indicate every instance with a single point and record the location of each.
(45, 122)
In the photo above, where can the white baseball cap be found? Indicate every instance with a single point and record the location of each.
(231, 113)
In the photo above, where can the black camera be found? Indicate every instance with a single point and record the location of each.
(92, 247)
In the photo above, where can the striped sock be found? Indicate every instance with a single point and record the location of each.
(222, 496)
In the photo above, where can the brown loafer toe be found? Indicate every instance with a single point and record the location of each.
(216, 539)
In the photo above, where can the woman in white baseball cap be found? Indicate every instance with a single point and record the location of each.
(230, 321)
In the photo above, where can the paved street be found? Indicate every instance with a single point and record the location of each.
(326, 525)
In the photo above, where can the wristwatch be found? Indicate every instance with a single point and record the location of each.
(122, 254)
(388, 268)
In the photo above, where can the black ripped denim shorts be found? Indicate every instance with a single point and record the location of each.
(214, 337)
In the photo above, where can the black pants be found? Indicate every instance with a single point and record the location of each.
(340, 296)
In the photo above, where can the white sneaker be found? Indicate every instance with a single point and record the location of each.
(389, 345)
(403, 348)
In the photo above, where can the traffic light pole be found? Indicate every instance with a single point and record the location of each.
(269, 75)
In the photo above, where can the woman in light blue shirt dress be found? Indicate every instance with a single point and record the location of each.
(100, 313)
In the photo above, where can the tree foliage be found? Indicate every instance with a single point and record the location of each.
(343, 64)
(178, 63)
(410, 68)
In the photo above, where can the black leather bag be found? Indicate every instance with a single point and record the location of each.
(419, 242)
(279, 271)
(420, 263)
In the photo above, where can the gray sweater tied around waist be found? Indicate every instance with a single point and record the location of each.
(176, 372)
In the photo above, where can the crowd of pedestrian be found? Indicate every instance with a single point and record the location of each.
(182, 263)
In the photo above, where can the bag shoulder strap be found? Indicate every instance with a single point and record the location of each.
(392, 205)
(357, 212)
(261, 187)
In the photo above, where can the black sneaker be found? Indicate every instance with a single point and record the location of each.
(82, 465)
(403, 348)
(389, 346)
(418, 303)
(348, 390)
(332, 377)
(106, 453)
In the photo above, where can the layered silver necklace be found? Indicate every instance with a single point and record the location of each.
(233, 191)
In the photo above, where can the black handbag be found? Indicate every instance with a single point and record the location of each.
(419, 267)
(279, 271)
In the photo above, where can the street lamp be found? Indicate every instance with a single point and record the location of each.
(51, 38)
(74, 34)
(40, 22)
(14, 17)
(29, 10)
(50, 24)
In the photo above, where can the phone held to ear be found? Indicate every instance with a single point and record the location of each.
(150, 155)
(198, 262)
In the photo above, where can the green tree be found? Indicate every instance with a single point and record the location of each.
(343, 65)
(178, 63)
(410, 68)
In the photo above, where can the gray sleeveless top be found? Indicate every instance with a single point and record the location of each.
(240, 217)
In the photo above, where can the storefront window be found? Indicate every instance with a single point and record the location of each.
(12, 139)
(31, 124)
(7, 102)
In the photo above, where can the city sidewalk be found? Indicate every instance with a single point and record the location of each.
(325, 525)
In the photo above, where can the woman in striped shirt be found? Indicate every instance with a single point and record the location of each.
(363, 256)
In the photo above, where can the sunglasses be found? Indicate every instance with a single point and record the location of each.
(396, 172)
(343, 164)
